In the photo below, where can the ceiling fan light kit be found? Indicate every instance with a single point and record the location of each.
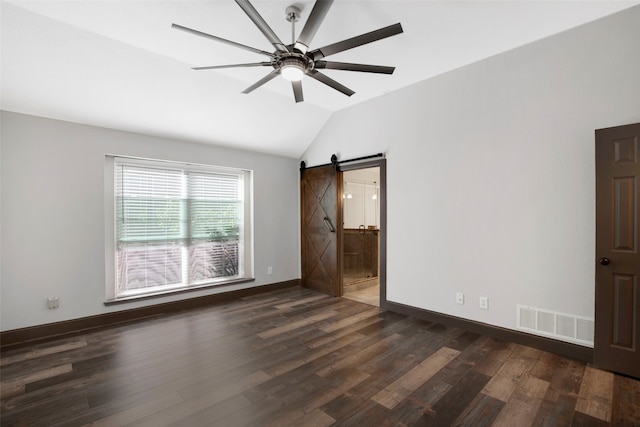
(294, 61)
(292, 69)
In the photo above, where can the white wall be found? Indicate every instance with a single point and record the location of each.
(52, 188)
(502, 155)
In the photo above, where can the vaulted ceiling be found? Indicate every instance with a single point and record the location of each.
(118, 64)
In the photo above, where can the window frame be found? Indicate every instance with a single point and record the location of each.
(246, 241)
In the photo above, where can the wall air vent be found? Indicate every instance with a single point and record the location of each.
(552, 324)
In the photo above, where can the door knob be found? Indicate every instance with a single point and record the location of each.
(604, 261)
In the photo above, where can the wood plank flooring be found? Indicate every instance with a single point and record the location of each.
(297, 358)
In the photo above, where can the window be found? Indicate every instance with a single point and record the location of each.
(177, 226)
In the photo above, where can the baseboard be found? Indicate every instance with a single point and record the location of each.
(22, 336)
(542, 343)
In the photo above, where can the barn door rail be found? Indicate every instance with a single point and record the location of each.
(335, 162)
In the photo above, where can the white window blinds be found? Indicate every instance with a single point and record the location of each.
(178, 226)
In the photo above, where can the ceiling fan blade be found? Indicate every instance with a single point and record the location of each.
(297, 90)
(365, 68)
(373, 36)
(330, 82)
(262, 25)
(216, 67)
(220, 39)
(319, 11)
(262, 81)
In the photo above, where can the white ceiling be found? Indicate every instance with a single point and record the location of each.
(118, 63)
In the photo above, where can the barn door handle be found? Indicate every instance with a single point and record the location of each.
(327, 222)
(604, 261)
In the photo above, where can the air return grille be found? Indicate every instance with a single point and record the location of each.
(562, 326)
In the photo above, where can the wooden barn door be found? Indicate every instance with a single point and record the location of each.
(321, 229)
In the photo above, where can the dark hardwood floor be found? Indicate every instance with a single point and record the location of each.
(297, 358)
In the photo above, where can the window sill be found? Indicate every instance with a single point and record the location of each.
(150, 295)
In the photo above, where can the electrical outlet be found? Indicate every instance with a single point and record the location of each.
(459, 298)
(484, 303)
(269, 270)
(53, 302)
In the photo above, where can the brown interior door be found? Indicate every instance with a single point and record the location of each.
(617, 328)
(321, 229)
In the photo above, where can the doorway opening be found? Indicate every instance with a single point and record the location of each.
(361, 235)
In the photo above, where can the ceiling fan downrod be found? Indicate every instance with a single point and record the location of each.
(292, 13)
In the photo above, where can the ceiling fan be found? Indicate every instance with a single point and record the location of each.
(295, 60)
